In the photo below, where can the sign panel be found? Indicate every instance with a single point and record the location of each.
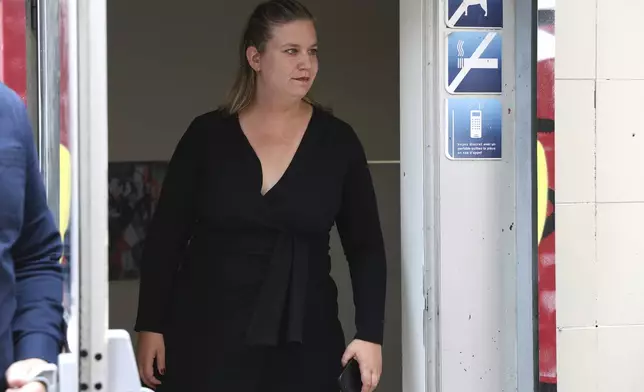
(475, 13)
(474, 63)
(474, 128)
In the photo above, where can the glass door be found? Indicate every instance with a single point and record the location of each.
(54, 115)
(72, 139)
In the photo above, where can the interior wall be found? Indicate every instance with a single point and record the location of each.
(168, 64)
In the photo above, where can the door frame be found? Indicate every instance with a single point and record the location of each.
(419, 351)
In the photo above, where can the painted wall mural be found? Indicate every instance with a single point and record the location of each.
(546, 194)
(13, 46)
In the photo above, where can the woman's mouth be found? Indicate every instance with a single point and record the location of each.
(303, 79)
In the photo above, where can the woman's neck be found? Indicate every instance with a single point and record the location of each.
(267, 104)
(278, 110)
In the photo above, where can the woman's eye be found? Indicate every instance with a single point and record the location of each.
(291, 51)
(313, 52)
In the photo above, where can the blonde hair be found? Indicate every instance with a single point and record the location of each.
(258, 31)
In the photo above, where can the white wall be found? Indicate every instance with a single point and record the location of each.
(600, 195)
(168, 64)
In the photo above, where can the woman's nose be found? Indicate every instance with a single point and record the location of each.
(305, 62)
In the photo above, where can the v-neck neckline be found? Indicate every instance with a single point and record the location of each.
(290, 165)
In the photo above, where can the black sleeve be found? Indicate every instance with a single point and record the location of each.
(358, 224)
(169, 232)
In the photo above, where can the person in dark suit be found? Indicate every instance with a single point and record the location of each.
(235, 290)
(31, 280)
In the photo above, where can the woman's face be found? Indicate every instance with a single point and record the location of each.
(289, 63)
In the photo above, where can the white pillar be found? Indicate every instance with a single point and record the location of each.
(460, 216)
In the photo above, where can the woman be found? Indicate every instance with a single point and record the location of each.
(235, 289)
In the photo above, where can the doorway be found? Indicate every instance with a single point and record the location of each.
(168, 64)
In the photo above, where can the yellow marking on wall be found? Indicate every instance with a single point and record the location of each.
(542, 190)
(65, 190)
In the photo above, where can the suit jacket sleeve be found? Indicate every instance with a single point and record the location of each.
(38, 330)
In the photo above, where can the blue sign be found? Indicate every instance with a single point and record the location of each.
(475, 13)
(474, 128)
(474, 63)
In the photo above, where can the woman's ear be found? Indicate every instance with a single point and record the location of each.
(253, 57)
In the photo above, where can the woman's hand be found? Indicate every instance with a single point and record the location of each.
(369, 357)
(151, 346)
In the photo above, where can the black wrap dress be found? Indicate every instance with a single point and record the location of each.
(238, 281)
